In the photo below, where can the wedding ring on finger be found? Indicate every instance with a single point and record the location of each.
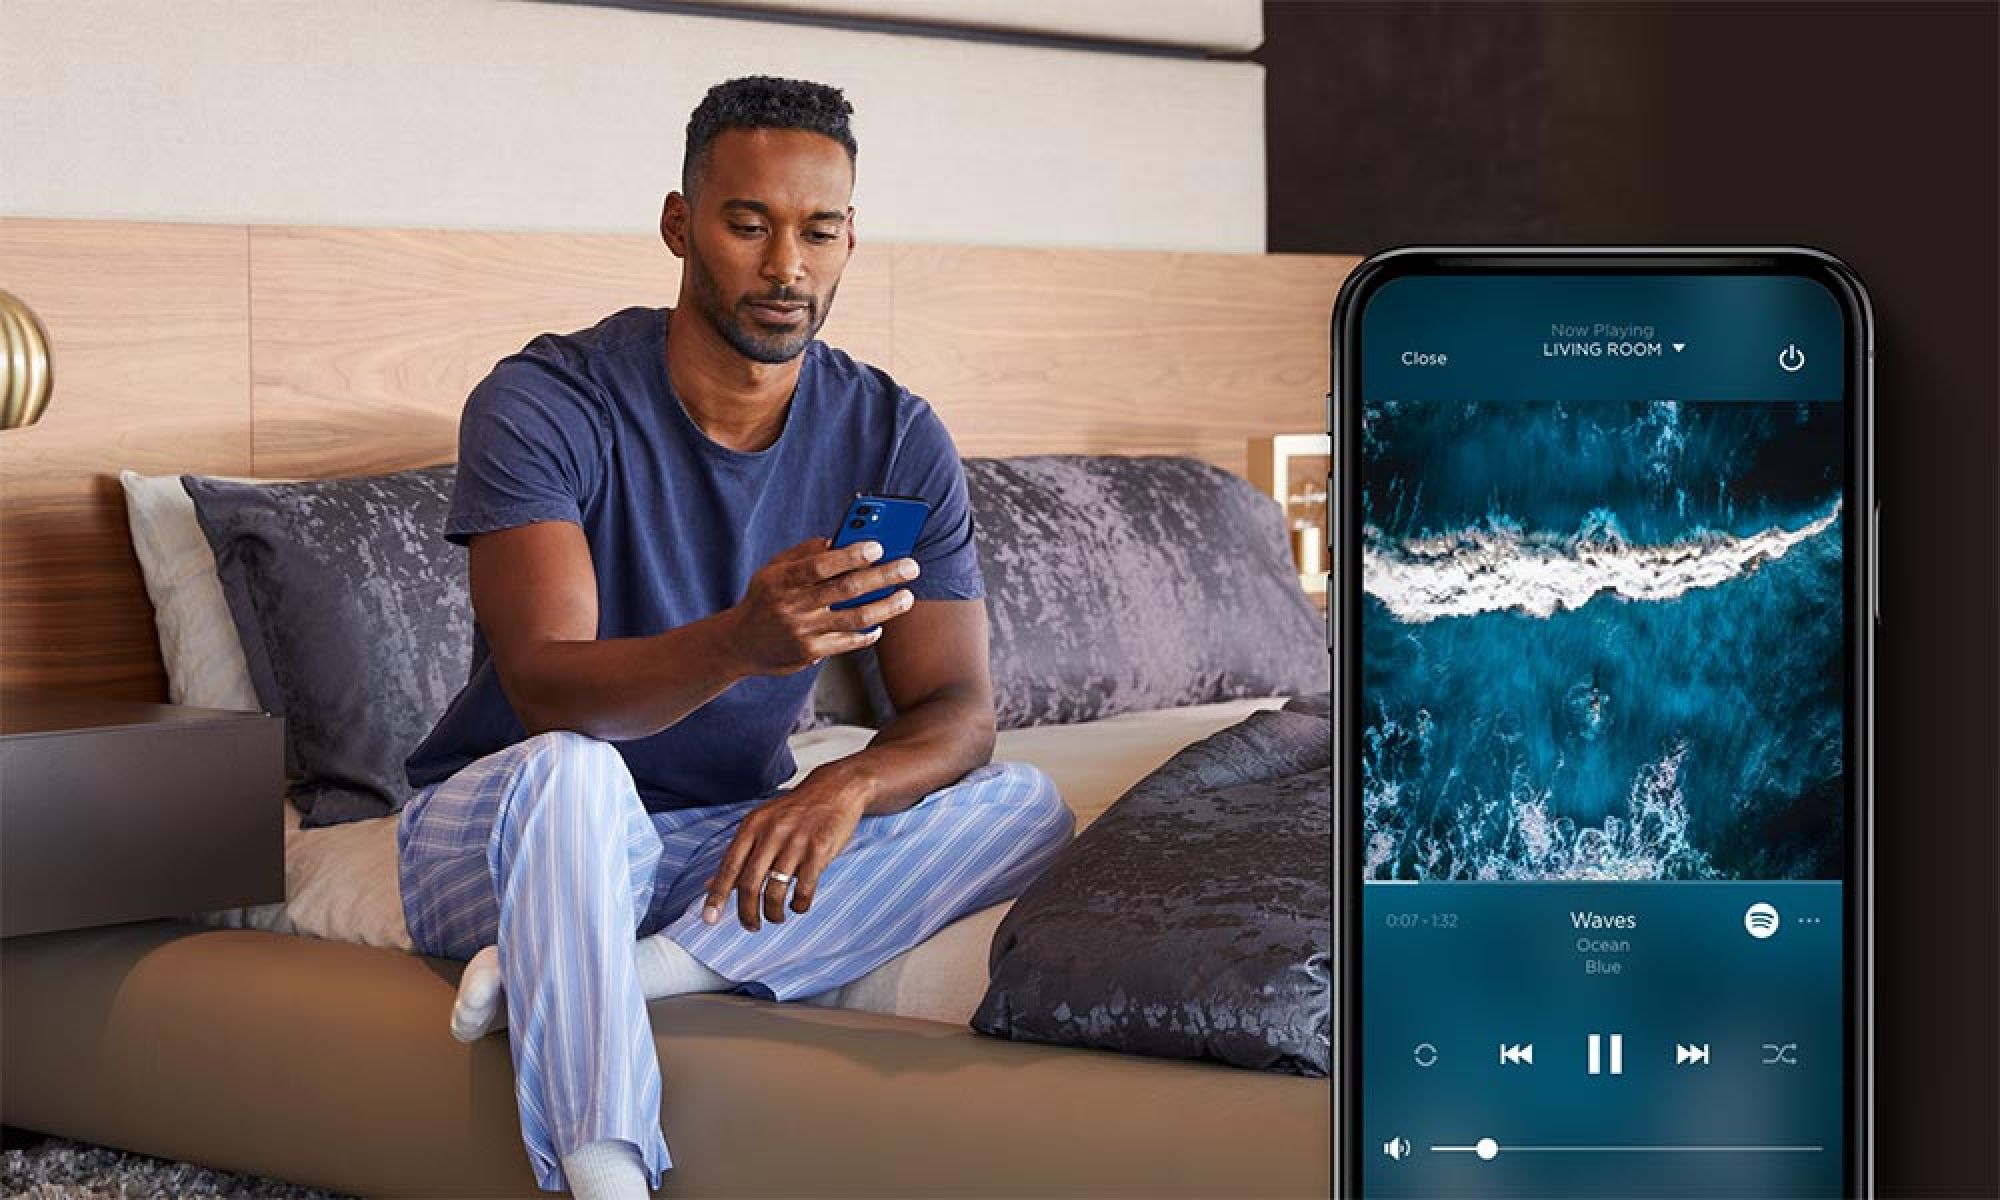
(778, 876)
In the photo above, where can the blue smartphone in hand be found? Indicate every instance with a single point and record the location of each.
(894, 521)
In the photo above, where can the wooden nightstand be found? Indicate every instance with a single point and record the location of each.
(114, 810)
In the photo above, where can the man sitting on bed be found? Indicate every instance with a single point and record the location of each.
(645, 502)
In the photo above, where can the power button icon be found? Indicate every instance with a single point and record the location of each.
(1791, 358)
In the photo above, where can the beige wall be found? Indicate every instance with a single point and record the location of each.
(481, 114)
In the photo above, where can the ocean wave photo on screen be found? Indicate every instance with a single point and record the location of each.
(1602, 641)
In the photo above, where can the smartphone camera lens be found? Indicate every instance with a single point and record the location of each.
(857, 523)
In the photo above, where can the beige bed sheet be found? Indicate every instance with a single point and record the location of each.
(341, 883)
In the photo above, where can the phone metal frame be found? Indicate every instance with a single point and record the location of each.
(1862, 615)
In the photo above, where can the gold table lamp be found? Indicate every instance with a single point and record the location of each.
(25, 376)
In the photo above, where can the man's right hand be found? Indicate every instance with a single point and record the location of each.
(784, 623)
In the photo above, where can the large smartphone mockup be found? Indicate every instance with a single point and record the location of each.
(1603, 610)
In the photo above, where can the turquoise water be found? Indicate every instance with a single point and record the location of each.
(1603, 640)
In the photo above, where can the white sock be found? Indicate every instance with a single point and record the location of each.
(666, 969)
(479, 1010)
(609, 1169)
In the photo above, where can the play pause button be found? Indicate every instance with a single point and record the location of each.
(1599, 1060)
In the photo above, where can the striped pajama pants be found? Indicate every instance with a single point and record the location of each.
(545, 850)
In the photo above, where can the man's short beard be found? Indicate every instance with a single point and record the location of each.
(767, 348)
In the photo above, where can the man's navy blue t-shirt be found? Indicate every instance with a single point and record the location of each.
(586, 428)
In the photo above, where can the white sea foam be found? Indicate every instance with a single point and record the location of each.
(1518, 835)
(1498, 568)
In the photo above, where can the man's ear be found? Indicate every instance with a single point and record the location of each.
(850, 230)
(674, 217)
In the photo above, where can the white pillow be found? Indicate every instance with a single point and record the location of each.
(205, 663)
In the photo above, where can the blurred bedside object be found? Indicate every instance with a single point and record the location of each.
(117, 810)
(25, 377)
(1295, 469)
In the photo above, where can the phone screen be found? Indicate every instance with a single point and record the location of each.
(1604, 754)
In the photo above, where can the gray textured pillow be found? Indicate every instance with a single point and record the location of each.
(1194, 918)
(356, 620)
(1122, 583)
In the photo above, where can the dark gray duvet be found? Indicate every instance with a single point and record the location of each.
(1194, 918)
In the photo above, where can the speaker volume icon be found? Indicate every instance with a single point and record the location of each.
(1517, 1055)
(1397, 1148)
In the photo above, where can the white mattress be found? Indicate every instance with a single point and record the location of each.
(341, 883)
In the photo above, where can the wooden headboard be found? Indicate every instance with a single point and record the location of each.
(311, 352)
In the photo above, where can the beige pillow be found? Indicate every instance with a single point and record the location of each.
(204, 659)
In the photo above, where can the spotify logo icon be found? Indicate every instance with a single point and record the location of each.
(1761, 920)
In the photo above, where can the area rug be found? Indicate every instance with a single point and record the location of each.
(58, 1169)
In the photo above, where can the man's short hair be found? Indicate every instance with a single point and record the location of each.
(762, 102)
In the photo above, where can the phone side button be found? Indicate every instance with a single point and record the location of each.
(1328, 563)
(1875, 563)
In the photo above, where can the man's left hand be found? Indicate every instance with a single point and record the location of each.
(797, 833)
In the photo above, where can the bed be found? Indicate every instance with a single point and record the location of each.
(325, 1062)
(302, 1040)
